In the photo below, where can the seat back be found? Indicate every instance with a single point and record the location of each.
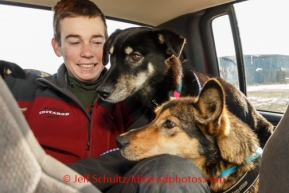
(24, 166)
(275, 159)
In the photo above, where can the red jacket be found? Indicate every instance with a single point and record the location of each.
(62, 126)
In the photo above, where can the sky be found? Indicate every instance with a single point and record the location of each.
(263, 26)
(25, 34)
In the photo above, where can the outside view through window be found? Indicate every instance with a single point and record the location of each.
(264, 36)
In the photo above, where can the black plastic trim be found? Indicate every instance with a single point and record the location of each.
(272, 117)
(209, 43)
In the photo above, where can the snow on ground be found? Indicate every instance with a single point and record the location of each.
(272, 97)
(268, 87)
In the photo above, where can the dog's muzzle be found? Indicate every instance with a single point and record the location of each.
(104, 91)
(122, 141)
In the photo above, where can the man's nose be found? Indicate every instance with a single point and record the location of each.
(86, 51)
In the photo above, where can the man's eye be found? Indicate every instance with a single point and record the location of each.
(74, 43)
(98, 43)
(136, 57)
(169, 124)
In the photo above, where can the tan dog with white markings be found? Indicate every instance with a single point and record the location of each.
(204, 131)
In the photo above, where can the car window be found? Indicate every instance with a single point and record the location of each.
(225, 49)
(264, 36)
(25, 36)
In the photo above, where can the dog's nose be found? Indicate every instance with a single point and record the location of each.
(104, 91)
(122, 141)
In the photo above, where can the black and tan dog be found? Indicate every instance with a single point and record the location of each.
(146, 62)
(204, 131)
(7, 68)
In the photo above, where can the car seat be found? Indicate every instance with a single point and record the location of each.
(274, 175)
(24, 166)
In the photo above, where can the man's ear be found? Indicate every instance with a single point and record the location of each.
(56, 47)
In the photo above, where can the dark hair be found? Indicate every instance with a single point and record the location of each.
(74, 8)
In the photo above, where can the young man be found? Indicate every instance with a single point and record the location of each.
(63, 110)
(72, 123)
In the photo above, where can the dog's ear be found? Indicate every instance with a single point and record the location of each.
(209, 107)
(7, 68)
(108, 46)
(174, 42)
(105, 55)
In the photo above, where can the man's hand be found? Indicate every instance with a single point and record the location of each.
(7, 68)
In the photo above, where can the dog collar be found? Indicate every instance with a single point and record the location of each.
(198, 82)
(230, 170)
(246, 181)
(109, 151)
(177, 92)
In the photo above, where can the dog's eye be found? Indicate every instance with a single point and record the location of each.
(136, 57)
(169, 124)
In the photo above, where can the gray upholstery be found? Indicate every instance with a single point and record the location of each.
(24, 166)
(274, 172)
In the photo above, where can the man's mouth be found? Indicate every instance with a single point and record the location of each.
(87, 65)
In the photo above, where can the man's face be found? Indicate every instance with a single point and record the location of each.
(82, 40)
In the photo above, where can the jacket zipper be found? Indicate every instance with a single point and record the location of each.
(87, 111)
(88, 144)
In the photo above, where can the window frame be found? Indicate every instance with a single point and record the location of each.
(207, 36)
(209, 42)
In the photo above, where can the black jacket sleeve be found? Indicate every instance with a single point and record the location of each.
(100, 170)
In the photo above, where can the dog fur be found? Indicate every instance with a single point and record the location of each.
(149, 64)
(202, 130)
(7, 68)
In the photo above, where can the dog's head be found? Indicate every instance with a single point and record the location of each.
(140, 57)
(7, 68)
(198, 129)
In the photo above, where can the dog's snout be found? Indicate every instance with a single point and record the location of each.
(103, 94)
(104, 91)
(122, 141)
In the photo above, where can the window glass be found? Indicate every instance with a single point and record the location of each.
(225, 49)
(25, 36)
(264, 29)
(264, 35)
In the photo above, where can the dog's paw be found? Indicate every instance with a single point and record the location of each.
(7, 68)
